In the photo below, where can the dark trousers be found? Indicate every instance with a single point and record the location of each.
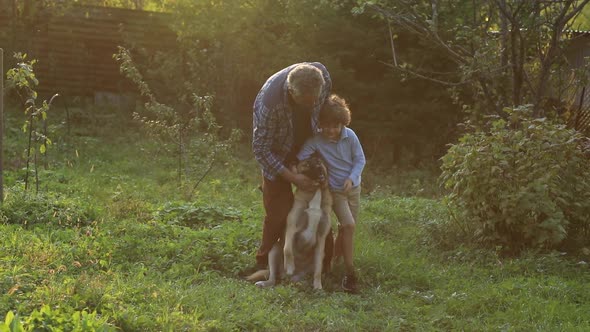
(277, 197)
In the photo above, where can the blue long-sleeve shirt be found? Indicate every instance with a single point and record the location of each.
(345, 158)
(273, 134)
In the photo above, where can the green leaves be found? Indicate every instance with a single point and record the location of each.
(11, 323)
(47, 319)
(22, 78)
(519, 183)
(23, 208)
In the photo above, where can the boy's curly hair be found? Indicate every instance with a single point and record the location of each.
(335, 111)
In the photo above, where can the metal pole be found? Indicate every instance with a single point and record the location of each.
(1, 124)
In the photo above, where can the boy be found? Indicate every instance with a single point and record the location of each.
(342, 152)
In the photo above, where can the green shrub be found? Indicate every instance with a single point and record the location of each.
(522, 182)
(25, 208)
(47, 319)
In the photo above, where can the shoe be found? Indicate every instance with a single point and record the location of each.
(350, 283)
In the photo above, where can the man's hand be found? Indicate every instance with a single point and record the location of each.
(347, 185)
(299, 180)
(304, 183)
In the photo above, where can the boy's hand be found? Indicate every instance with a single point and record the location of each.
(347, 185)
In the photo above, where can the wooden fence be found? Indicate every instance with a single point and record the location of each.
(75, 48)
(578, 97)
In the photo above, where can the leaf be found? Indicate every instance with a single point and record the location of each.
(14, 324)
(42, 148)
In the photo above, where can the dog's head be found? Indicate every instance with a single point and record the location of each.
(314, 168)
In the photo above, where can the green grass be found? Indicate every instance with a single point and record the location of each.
(146, 260)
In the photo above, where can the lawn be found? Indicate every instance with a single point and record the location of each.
(111, 238)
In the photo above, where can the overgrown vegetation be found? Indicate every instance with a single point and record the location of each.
(111, 243)
(520, 183)
(148, 260)
(188, 125)
(47, 319)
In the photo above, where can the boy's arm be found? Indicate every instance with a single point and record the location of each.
(308, 148)
(358, 159)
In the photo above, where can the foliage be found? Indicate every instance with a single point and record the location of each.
(47, 319)
(190, 126)
(209, 58)
(23, 208)
(502, 53)
(520, 183)
(145, 274)
(23, 79)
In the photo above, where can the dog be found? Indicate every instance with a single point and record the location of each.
(302, 249)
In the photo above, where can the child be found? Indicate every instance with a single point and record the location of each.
(342, 152)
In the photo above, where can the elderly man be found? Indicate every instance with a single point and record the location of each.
(286, 113)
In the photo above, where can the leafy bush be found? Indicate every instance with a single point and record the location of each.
(47, 319)
(24, 208)
(522, 182)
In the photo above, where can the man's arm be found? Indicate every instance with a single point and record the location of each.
(299, 180)
(265, 130)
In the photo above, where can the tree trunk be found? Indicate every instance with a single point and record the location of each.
(504, 39)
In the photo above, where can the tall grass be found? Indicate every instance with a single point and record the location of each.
(149, 261)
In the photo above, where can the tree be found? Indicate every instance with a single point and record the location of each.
(505, 52)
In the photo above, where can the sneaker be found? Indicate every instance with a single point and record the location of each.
(350, 283)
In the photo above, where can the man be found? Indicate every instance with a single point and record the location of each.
(286, 113)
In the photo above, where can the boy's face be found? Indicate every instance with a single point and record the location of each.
(331, 131)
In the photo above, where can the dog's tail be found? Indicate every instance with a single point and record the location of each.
(259, 275)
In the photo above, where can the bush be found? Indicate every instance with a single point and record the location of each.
(26, 208)
(47, 319)
(522, 182)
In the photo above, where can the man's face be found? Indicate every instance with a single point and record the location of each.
(305, 100)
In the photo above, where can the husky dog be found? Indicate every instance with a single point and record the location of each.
(301, 251)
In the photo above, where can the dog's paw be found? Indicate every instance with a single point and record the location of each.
(264, 284)
(289, 269)
(297, 278)
(317, 283)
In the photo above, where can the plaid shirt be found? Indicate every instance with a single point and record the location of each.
(273, 136)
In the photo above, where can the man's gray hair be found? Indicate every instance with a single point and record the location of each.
(305, 79)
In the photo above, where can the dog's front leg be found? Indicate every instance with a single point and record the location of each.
(319, 253)
(291, 229)
(314, 214)
(318, 263)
